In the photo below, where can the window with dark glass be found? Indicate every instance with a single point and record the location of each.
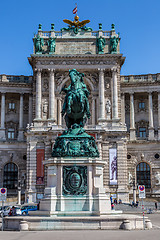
(10, 180)
(141, 105)
(11, 133)
(11, 106)
(143, 175)
(142, 132)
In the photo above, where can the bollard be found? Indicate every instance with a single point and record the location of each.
(23, 226)
(148, 224)
(127, 225)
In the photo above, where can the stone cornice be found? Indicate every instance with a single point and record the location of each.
(92, 59)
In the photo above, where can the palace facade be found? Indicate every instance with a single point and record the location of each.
(125, 113)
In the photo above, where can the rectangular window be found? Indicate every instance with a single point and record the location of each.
(141, 105)
(11, 133)
(11, 106)
(142, 132)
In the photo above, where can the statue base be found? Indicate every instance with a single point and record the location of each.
(75, 142)
(75, 187)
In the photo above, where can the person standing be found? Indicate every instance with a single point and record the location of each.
(156, 205)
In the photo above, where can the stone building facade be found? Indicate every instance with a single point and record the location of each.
(125, 114)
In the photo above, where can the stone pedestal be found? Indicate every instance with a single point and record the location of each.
(75, 187)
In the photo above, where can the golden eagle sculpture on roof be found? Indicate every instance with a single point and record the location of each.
(76, 24)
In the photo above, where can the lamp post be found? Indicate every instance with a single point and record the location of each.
(19, 192)
(134, 191)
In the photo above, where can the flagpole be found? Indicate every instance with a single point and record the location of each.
(76, 7)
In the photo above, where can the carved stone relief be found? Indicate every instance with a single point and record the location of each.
(127, 107)
(45, 85)
(25, 107)
(155, 106)
(77, 62)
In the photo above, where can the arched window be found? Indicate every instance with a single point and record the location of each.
(10, 179)
(143, 174)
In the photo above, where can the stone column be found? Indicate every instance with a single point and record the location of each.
(151, 128)
(93, 111)
(123, 120)
(2, 129)
(59, 111)
(158, 115)
(115, 94)
(51, 96)
(20, 133)
(132, 119)
(38, 94)
(101, 95)
(30, 109)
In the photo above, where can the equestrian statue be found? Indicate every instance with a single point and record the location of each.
(75, 142)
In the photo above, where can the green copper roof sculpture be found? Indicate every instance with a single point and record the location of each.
(75, 142)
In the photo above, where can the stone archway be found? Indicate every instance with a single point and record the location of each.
(143, 173)
(10, 176)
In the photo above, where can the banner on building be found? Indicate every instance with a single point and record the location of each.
(40, 167)
(113, 166)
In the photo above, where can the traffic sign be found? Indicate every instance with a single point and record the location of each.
(142, 193)
(3, 194)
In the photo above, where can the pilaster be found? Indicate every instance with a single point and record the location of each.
(21, 130)
(122, 190)
(158, 115)
(151, 127)
(115, 94)
(31, 172)
(51, 95)
(101, 96)
(93, 111)
(59, 100)
(132, 119)
(30, 109)
(2, 129)
(123, 120)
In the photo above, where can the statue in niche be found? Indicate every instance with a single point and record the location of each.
(101, 42)
(38, 43)
(108, 106)
(45, 109)
(113, 44)
(76, 105)
(130, 178)
(51, 45)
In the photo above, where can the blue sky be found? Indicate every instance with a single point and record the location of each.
(137, 21)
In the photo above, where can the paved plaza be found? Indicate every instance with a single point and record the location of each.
(91, 234)
(83, 235)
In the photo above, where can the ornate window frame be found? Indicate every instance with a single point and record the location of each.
(139, 125)
(11, 125)
(11, 106)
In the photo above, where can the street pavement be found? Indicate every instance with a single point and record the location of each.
(83, 235)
